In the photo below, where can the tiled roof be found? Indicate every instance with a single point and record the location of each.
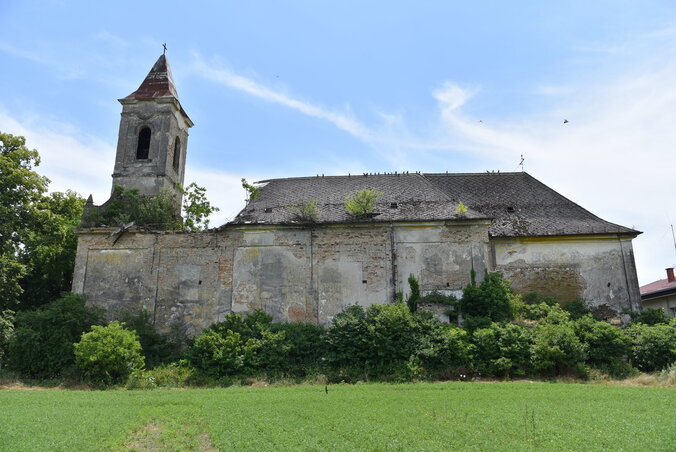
(522, 206)
(158, 83)
(661, 285)
(518, 204)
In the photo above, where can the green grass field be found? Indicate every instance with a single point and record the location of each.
(424, 416)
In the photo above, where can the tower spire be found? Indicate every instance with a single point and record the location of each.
(158, 83)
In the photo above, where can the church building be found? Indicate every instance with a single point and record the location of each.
(296, 252)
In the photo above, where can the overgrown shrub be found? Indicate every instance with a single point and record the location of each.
(648, 316)
(557, 350)
(604, 343)
(307, 347)
(240, 346)
(438, 298)
(6, 332)
(157, 348)
(125, 206)
(42, 344)
(441, 351)
(577, 309)
(491, 300)
(652, 347)
(502, 350)
(393, 333)
(348, 344)
(388, 342)
(107, 355)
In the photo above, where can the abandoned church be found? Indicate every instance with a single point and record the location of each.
(309, 268)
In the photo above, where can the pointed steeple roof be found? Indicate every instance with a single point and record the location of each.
(158, 83)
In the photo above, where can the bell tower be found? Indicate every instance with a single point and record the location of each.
(153, 137)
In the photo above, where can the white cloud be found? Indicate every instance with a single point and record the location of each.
(451, 97)
(344, 121)
(69, 158)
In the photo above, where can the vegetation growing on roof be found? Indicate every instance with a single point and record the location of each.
(252, 191)
(461, 209)
(362, 203)
(305, 212)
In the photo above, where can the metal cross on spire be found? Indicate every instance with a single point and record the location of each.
(165, 48)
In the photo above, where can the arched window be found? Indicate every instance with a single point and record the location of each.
(177, 154)
(143, 144)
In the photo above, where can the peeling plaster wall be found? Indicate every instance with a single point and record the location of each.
(597, 269)
(310, 274)
(293, 273)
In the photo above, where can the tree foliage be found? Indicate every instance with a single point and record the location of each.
(42, 343)
(37, 242)
(196, 208)
(6, 332)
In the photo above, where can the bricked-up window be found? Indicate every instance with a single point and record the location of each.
(143, 144)
(177, 154)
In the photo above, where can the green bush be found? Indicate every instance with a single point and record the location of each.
(653, 347)
(348, 344)
(604, 343)
(388, 342)
(107, 355)
(240, 346)
(556, 350)
(42, 344)
(441, 350)
(648, 316)
(307, 347)
(157, 348)
(491, 299)
(502, 350)
(438, 298)
(393, 332)
(6, 332)
(577, 309)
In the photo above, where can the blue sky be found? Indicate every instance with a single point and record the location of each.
(281, 89)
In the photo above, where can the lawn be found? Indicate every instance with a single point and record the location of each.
(424, 416)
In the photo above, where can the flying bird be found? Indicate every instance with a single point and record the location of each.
(565, 121)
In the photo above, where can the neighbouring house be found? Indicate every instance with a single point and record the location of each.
(297, 253)
(661, 294)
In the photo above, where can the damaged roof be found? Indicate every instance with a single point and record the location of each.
(158, 83)
(517, 204)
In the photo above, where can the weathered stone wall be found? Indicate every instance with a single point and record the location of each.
(597, 269)
(311, 274)
(293, 273)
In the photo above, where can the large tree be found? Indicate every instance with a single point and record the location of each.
(37, 240)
